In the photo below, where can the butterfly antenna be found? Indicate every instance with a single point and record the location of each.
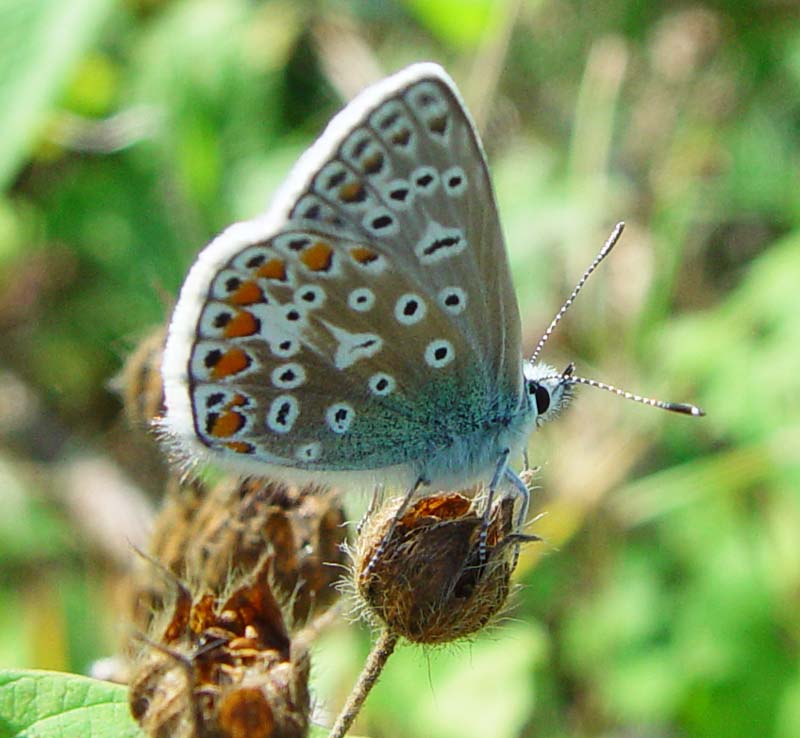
(567, 377)
(605, 251)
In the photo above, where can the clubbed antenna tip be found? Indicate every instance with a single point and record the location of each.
(675, 407)
(685, 409)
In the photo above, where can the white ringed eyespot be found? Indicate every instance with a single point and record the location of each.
(453, 300)
(382, 384)
(339, 417)
(410, 309)
(361, 299)
(439, 353)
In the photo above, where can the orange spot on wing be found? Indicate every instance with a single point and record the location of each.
(225, 424)
(373, 164)
(401, 138)
(231, 362)
(318, 257)
(273, 269)
(352, 192)
(242, 324)
(363, 255)
(438, 124)
(248, 293)
(240, 447)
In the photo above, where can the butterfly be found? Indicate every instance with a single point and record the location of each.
(365, 329)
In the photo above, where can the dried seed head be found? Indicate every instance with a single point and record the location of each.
(245, 713)
(210, 535)
(241, 559)
(139, 383)
(222, 668)
(428, 583)
(131, 440)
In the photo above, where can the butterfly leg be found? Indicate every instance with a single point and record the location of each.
(399, 514)
(377, 495)
(521, 489)
(499, 473)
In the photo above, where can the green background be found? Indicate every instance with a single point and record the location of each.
(665, 598)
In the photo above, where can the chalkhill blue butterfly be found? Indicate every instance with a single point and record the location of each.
(365, 328)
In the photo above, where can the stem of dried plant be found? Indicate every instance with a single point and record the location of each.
(381, 651)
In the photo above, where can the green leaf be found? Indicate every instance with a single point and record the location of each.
(40, 42)
(455, 22)
(46, 704)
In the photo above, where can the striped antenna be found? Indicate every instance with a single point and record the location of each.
(605, 251)
(568, 377)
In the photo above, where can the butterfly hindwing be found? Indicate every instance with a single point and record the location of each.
(299, 370)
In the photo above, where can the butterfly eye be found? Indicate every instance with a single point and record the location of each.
(541, 396)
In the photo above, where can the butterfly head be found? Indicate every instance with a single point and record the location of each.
(548, 390)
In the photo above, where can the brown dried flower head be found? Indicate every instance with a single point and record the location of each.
(429, 584)
(140, 384)
(131, 439)
(222, 668)
(211, 534)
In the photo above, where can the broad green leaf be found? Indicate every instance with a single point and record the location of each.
(45, 704)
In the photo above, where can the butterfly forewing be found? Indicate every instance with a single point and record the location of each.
(378, 320)
(411, 178)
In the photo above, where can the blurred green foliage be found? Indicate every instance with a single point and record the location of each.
(665, 599)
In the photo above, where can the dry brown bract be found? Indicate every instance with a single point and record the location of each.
(223, 669)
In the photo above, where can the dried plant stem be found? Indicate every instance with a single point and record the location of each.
(377, 659)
